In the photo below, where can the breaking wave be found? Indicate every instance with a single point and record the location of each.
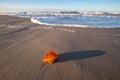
(34, 20)
(76, 21)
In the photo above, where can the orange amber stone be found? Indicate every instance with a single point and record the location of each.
(50, 57)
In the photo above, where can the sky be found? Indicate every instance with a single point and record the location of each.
(60, 5)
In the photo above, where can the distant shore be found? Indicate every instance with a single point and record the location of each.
(97, 13)
(84, 53)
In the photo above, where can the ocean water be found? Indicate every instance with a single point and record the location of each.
(77, 20)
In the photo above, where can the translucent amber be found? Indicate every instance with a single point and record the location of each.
(50, 57)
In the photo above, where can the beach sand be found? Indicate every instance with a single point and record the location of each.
(84, 53)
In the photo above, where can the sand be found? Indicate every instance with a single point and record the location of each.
(84, 53)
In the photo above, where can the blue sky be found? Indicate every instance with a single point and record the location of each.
(60, 5)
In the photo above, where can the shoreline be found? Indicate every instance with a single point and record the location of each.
(38, 20)
(84, 53)
(65, 25)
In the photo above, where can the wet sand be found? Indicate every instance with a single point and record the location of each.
(84, 53)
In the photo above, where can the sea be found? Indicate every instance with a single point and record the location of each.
(75, 20)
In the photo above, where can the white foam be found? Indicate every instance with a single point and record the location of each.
(45, 17)
(67, 30)
(34, 20)
(10, 26)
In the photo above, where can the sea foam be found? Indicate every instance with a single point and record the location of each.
(76, 20)
(34, 20)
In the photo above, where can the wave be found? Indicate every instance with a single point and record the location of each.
(34, 20)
